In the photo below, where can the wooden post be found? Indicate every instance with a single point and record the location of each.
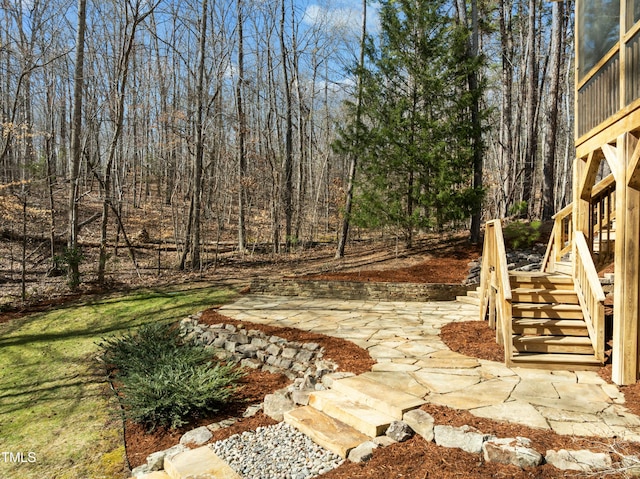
(627, 263)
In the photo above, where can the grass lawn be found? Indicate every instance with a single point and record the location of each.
(55, 407)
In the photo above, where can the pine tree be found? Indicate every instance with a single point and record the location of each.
(416, 160)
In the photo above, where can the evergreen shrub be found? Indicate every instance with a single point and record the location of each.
(521, 234)
(164, 380)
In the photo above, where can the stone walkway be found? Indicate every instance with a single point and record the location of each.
(404, 340)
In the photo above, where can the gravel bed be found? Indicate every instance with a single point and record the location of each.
(275, 452)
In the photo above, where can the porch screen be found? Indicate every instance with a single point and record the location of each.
(599, 24)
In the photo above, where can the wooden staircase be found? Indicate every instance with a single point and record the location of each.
(548, 326)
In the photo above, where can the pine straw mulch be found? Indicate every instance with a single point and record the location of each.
(414, 459)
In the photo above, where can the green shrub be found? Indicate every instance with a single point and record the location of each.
(165, 381)
(520, 234)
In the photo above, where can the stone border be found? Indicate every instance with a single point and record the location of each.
(514, 451)
(359, 290)
(257, 350)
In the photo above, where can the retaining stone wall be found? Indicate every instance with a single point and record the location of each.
(358, 290)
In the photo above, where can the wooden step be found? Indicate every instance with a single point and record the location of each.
(573, 362)
(538, 280)
(359, 416)
(325, 431)
(378, 396)
(199, 462)
(553, 344)
(527, 295)
(547, 311)
(550, 327)
(564, 267)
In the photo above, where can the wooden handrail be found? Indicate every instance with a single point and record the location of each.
(495, 287)
(590, 293)
(561, 238)
(605, 184)
(564, 212)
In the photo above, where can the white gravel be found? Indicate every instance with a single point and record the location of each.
(275, 452)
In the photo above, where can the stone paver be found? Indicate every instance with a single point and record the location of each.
(404, 340)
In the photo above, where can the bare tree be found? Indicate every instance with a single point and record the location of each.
(551, 114)
(76, 151)
(353, 160)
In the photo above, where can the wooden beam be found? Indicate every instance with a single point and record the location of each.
(633, 170)
(608, 131)
(615, 162)
(589, 175)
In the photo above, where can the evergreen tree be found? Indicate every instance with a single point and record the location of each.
(413, 141)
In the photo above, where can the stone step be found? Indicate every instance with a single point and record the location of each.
(547, 311)
(154, 475)
(553, 344)
(541, 295)
(376, 395)
(324, 430)
(468, 300)
(572, 362)
(199, 462)
(361, 417)
(550, 327)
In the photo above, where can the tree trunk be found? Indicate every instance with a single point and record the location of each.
(76, 152)
(549, 168)
(531, 107)
(344, 234)
(192, 239)
(242, 157)
(506, 156)
(287, 189)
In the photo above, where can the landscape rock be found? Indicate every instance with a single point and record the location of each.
(141, 470)
(631, 465)
(363, 452)
(514, 451)
(252, 410)
(384, 441)
(300, 397)
(276, 404)
(155, 461)
(197, 437)
(467, 438)
(399, 431)
(581, 460)
(421, 422)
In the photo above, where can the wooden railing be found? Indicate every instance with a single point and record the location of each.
(561, 240)
(590, 293)
(601, 234)
(585, 276)
(495, 287)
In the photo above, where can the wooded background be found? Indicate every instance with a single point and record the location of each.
(195, 122)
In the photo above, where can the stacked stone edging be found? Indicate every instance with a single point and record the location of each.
(359, 290)
(257, 350)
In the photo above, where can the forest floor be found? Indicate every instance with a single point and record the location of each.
(437, 259)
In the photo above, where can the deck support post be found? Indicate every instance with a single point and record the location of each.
(627, 263)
